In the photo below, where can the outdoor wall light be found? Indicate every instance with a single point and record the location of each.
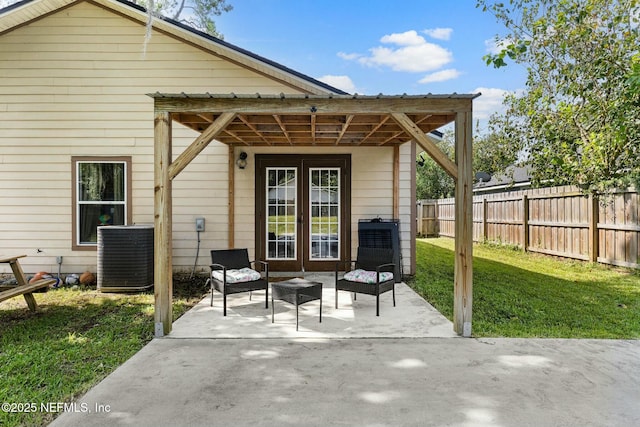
(420, 160)
(242, 160)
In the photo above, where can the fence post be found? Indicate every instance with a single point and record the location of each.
(594, 212)
(485, 227)
(436, 219)
(419, 219)
(525, 223)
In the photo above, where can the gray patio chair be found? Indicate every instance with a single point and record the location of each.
(232, 273)
(372, 274)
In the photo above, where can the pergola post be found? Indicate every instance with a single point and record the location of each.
(164, 172)
(463, 268)
(163, 267)
(231, 232)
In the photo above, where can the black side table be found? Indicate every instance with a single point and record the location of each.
(296, 292)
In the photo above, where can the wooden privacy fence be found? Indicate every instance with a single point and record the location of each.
(558, 221)
(428, 218)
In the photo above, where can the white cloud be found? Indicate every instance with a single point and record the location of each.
(408, 38)
(440, 76)
(415, 59)
(341, 82)
(349, 56)
(414, 55)
(491, 46)
(439, 33)
(495, 46)
(488, 103)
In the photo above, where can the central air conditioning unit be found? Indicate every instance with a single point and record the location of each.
(125, 258)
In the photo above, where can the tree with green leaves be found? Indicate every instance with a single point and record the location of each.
(432, 182)
(578, 120)
(491, 155)
(198, 14)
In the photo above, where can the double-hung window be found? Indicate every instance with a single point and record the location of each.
(101, 196)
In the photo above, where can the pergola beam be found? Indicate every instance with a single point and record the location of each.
(200, 143)
(283, 128)
(428, 104)
(254, 129)
(345, 126)
(427, 145)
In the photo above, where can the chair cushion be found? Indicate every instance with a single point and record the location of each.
(245, 274)
(365, 276)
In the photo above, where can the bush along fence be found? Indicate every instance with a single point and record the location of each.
(559, 221)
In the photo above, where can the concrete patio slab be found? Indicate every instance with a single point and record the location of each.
(412, 317)
(358, 370)
(369, 382)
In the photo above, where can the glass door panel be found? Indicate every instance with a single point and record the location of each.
(281, 208)
(302, 211)
(324, 208)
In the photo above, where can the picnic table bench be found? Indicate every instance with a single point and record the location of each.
(23, 288)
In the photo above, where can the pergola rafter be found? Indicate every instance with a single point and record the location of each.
(318, 120)
(312, 119)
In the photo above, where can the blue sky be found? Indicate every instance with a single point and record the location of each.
(379, 46)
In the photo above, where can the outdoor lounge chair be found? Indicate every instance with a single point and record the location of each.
(232, 273)
(372, 275)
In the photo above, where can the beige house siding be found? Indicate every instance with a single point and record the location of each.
(371, 192)
(74, 83)
(407, 207)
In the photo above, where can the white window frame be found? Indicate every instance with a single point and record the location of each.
(77, 204)
(339, 206)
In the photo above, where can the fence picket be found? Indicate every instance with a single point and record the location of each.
(559, 221)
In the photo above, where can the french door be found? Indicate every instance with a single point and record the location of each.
(303, 215)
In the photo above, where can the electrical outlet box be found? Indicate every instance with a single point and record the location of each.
(199, 224)
(59, 259)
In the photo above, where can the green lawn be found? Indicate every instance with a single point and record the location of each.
(77, 337)
(284, 224)
(530, 295)
(74, 340)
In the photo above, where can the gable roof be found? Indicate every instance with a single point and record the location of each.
(513, 178)
(26, 11)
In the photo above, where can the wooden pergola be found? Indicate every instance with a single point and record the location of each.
(311, 120)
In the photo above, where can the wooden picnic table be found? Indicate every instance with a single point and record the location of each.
(23, 288)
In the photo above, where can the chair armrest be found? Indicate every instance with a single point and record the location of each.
(381, 266)
(348, 263)
(379, 269)
(343, 263)
(265, 264)
(224, 272)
